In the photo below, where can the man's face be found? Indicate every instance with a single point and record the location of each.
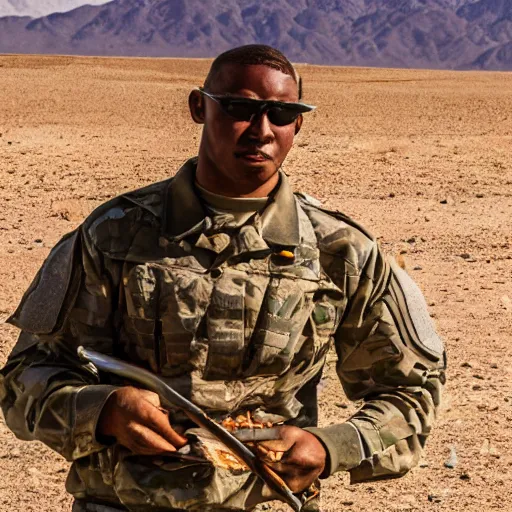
(243, 155)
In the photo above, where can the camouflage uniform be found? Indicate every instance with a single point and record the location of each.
(220, 313)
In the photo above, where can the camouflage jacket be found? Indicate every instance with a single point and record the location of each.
(229, 320)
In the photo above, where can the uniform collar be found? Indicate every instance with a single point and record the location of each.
(185, 214)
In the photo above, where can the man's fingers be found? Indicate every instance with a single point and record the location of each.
(276, 451)
(158, 421)
(133, 416)
(298, 458)
(278, 445)
(144, 441)
(296, 478)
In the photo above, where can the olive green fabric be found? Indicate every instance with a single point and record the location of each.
(332, 438)
(160, 279)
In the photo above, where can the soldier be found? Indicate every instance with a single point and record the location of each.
(233, 289)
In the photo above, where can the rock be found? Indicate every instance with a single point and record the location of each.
(479, 196)
(507, 302)
(411, 240)
(494, 366)
(438, 495)
(417, 267)
(465, 476)
(341, 405)
(493, 452)
(479, 377)
(465, 256)
(467, 364)
(484, 450)
(392, 194)
(452, 459)
(476, 387)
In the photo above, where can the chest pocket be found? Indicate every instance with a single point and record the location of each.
(297, 326)
(283, 325)
(164, 309)
(184, 299)
(139, 330)
(235, 306)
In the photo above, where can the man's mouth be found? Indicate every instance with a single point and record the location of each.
(253, 155)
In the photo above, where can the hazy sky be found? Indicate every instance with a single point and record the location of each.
(41, 7)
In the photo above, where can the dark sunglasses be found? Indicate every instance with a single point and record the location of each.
(279, 113)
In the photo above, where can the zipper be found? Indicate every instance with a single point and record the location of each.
(157, 333)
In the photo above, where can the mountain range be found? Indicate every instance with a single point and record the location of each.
(438, 34)
(36, 8)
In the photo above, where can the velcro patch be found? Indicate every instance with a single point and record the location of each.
(427, 336)
(41, 305)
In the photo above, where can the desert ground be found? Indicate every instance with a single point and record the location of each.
(421, 158)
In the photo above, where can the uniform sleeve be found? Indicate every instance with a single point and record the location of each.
(390, 356)
(46, 393)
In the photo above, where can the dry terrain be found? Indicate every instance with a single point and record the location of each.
(422, 158)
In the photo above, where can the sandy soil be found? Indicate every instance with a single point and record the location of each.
(421, 158)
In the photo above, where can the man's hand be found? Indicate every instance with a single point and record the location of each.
(134, 418)
(302, 457)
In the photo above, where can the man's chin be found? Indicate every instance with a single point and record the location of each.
(258, 167)
(256, 174)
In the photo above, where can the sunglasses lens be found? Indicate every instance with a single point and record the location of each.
(282, 116)
(241, 110)
(244, 110)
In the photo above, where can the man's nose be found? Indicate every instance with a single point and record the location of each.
(261, 128)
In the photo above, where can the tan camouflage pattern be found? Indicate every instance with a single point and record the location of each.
(158, 279)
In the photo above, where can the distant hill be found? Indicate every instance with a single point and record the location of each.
(443, 34)
(36, 8)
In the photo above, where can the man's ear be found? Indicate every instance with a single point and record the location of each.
(298, 123)
(196, 106)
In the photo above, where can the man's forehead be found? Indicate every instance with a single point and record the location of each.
(255, 80)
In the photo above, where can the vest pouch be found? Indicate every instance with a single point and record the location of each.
(218, 483)
(272, 347)
(139, 340)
